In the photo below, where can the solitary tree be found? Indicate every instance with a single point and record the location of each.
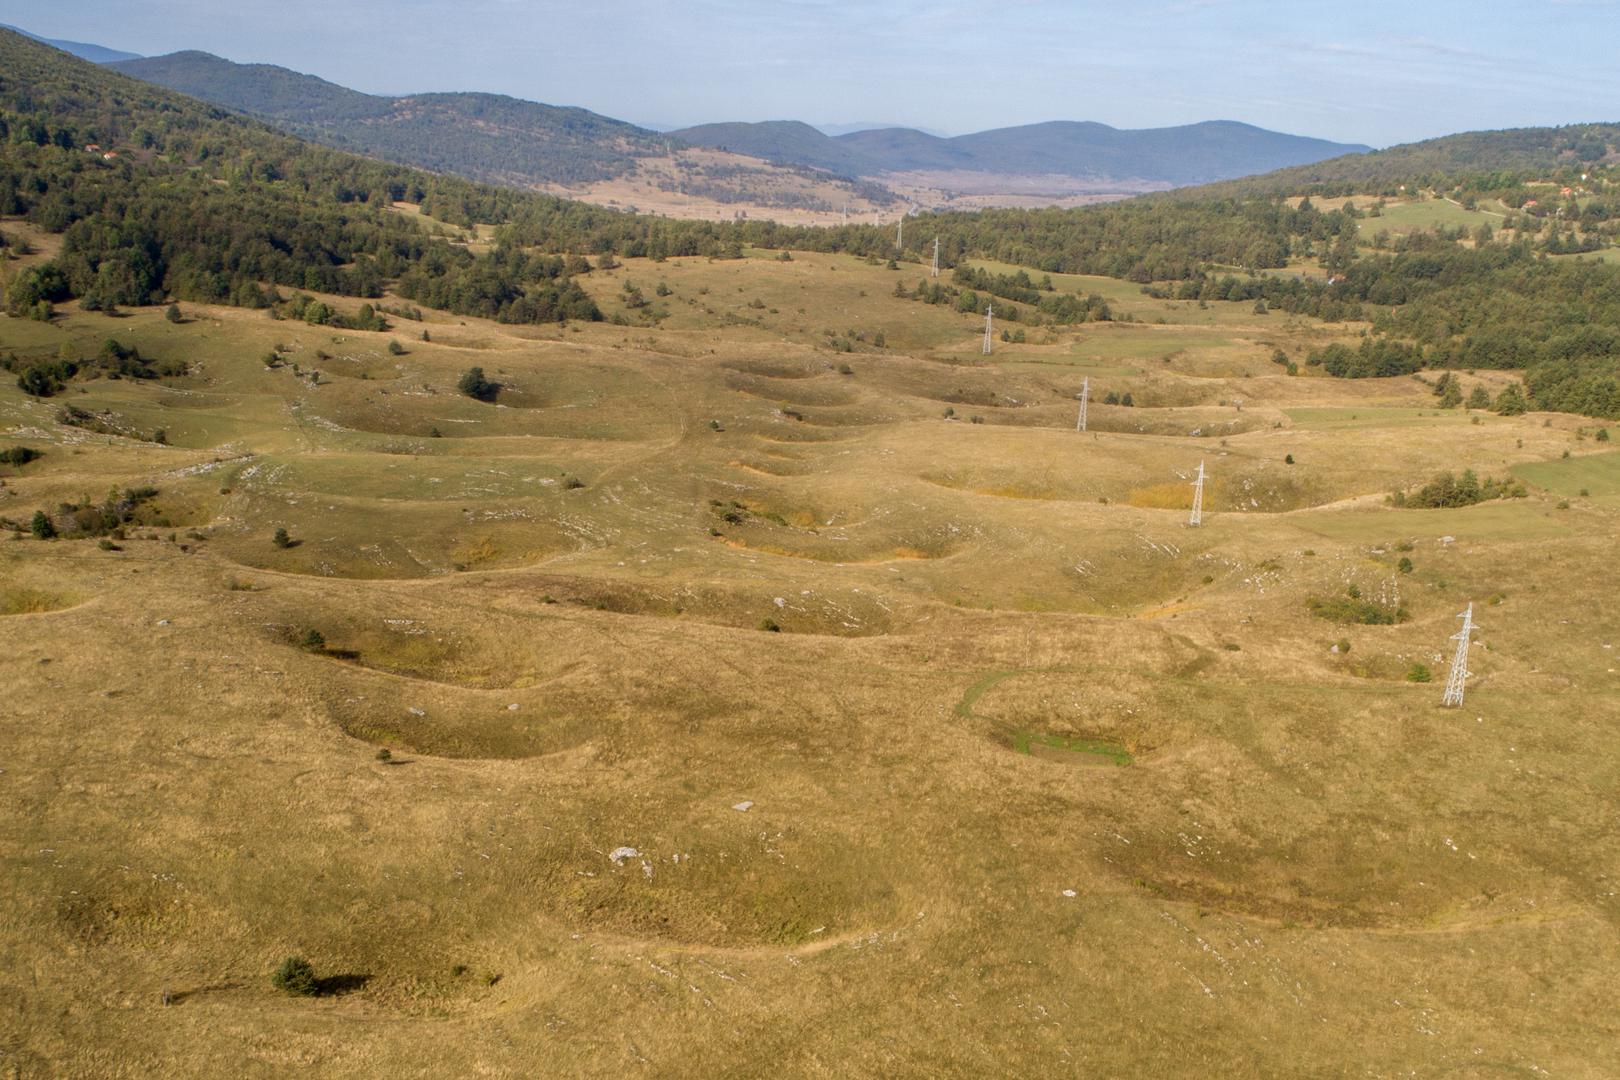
(173, 314)
(474, 385)
(40, 525)
(281, 539)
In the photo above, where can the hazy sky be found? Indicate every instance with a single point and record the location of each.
(1372, 71)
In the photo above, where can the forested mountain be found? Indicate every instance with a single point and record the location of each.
(483, 136)
(1192, 154)
(1506, 154)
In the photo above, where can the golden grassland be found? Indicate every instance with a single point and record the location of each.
(1040, 780)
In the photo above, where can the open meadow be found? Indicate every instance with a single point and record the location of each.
(774, 682)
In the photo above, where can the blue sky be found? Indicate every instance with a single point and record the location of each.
(1375, 71)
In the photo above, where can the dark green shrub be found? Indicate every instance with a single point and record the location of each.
(296, 976)
(281, 539)
(40, 525)
(474, 385)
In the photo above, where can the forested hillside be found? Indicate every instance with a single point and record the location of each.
(1487, 158)
(199, 204)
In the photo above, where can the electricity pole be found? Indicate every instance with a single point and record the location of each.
(1198, 498)
(1459, 660)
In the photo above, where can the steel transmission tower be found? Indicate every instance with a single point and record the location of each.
(989, 322)
(936, 256)
(1085, 397)
(1198, 498)
(900, 233)
(1459, 660)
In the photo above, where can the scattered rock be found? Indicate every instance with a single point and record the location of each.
(619, 854)
(742, 807)
(414, 711)
(1069, 892)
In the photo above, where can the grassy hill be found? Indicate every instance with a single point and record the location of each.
(1194, 153)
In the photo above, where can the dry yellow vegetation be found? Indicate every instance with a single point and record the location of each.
(750, 716)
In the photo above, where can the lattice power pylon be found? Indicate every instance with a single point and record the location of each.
(1456, 681)
(936, 256)
(989, 326)
(900, 233)
(1085, 397)
(1197, 517)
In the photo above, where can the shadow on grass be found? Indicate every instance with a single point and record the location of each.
(176, 997)
(338, 985)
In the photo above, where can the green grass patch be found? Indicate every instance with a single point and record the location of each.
(1594, 474)
(1428, 214)
(1515, 520)
(1032, 743)
(1371, 416)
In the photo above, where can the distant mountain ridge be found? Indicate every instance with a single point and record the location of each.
(484, 136)
(96, 54)
(1177, 156)
(508, 140)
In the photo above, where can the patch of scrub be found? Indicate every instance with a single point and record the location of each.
(17, 600)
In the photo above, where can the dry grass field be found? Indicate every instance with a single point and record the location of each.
(714, 185)
(747, 714)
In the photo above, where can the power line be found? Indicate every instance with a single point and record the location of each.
(1085, 398)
